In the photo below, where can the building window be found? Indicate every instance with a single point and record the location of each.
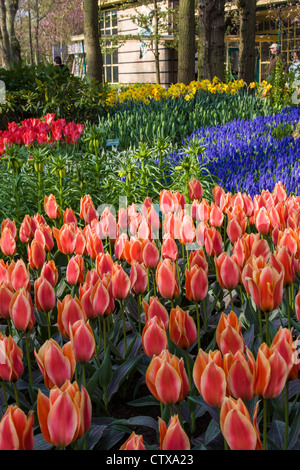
(109, 31)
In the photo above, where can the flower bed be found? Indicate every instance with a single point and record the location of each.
(194, 309)
(252, 155)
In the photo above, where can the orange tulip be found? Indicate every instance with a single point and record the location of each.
(169, 248)
(195, 189)
(138, 278)
(51, 207)
(104, 264)
(68, 405)
(241, 376)
(82, 341)
(11, 357)
(55, 363)
(283, 342)
(216, 216)
(166, 279)
(150, 255)
(134, 442)
(94, 243)
(154, 337)
(65, 238)
(87, 209)
(182, 328)
(16, 430)
(155, 309)
(6, 293)
(75, 270)
(120, 283)
(44, 295)
(198, 257)
(18, 275)
(209, 377)
(187, 232)
(21, 310)
(167, 379)
(43, 235)
(227, 271)
(173, 437)
(49, 271)
(36, 255)
(7, 242)
(287, 262)
(196, 283)
(271, 372)
(262, 221)
(229, 333)
(237, 427)
(69, 216)
(68, 312)
(11, 225)
(266, 287)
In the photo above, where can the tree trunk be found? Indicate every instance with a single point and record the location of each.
(5, 45)
(15, 49)
(186, 46)
(92, 40)
(211, 46)
(156, 43)
(247, 56)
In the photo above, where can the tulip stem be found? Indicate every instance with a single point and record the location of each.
(154, 285)
(260, 326)
(16, 394)
(9, 326)
(205, 315)
(268, 340)
(287, 292)
(4, 394)
(124, 326)
(198, 325)
(83, 375)
(104, 334)
(139, 312)
(28, 362)
(179, 415)
(265, 402)
(286, 413)
(49, 324)
(231, 300)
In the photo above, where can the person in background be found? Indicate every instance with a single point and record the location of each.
(57, 61)
(275, 55)
(295, 65)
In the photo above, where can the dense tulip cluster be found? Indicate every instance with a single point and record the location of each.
(170, 276)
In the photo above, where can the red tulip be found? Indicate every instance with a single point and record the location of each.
(173, 437)
(16, 430)
(21, 310)
(182, 328)
(134, 442)
(237, 427)
(57, 364)
(154, 337)
(68, 405)
(82, 341)
(11, 357)
(166, 378)
(51, 207)
(44, 295)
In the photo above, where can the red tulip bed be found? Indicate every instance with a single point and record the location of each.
(161, 326)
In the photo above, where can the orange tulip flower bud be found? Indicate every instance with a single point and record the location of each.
(167, 379)
(104, 264)
(51, 207)
(262, 221)
(82, 340)
(287, 347)
(166, 279)
(229, 334)
(237, 427)
(21, 310)
(44, 295)
(227, 271)
(198, 257)
(138, 278)
(241, 375)
(134, 442)
(156, 309)
(173, 437)
(169, 248)
(75, 270)
(196, 283)
(154, 337)
(56, 364)
(187, 232)
(94, 243)
(216, 216)
(49, 271)
(69, 216)
(65, 238)
(6, 293)
(195, 189)
(288, 262)
(271, 372)
(7, 242)
(266, 287)
(43, 235)
(16, 430)
(87, 210)
(11, 356)
(67, 404)
(150, 255)
(120, 283)
(18, 275)
(68, 312)
(182, 328)
(209, 377)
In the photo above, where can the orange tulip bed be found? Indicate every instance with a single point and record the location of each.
(162, 326)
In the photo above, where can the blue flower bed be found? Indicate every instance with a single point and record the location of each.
(252, 155)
